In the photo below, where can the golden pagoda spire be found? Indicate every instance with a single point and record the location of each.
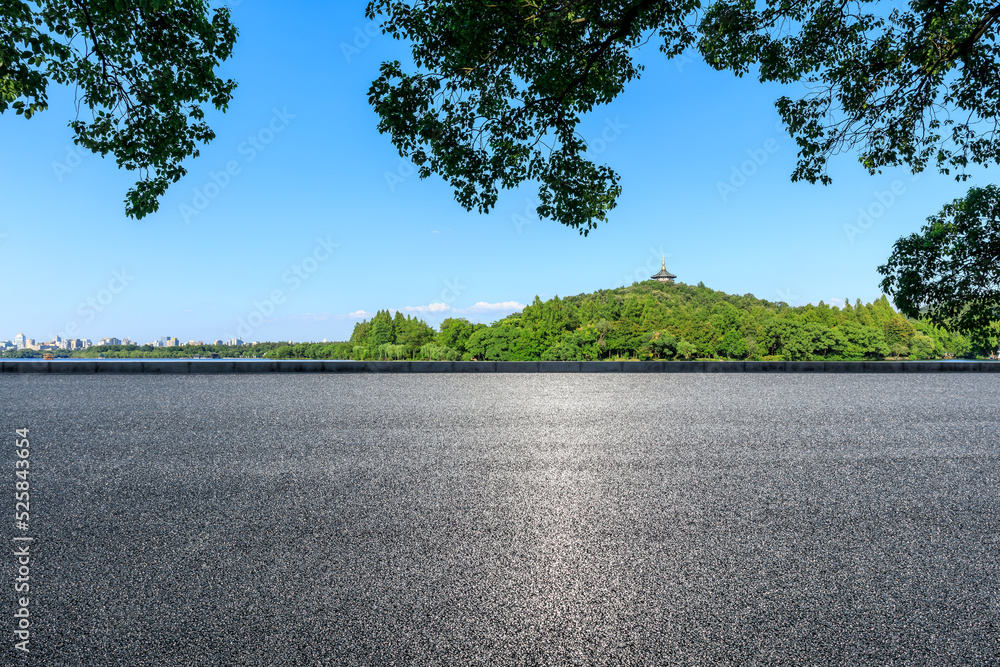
(664, 276)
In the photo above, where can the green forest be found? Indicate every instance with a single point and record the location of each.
(652, 320)
(646, 321)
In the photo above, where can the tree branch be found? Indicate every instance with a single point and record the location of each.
(964, 47)
(625, 25)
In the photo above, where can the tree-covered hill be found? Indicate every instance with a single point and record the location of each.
(651, 320)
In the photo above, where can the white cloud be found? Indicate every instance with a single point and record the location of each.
(431, 308)
(359, 314)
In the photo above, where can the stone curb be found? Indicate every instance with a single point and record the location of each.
(229, 366)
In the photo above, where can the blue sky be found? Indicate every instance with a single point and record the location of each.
(300, 218)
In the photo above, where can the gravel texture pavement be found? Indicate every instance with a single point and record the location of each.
(508, 519)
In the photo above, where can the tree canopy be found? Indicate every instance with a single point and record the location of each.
(145, 69)
(499, 88)
(949, 272)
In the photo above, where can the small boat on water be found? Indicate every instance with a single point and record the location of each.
(48, 356)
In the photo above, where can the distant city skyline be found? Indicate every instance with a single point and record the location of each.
(22, 342)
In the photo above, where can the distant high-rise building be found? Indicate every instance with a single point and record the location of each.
(234, 342)
(110, 341)
(20, 342)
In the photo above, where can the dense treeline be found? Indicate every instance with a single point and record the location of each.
(652, 320)
(388, 337)
(178, 352)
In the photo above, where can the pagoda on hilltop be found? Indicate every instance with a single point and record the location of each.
(663, 276)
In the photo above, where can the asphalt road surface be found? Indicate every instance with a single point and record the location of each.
(506, 519)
